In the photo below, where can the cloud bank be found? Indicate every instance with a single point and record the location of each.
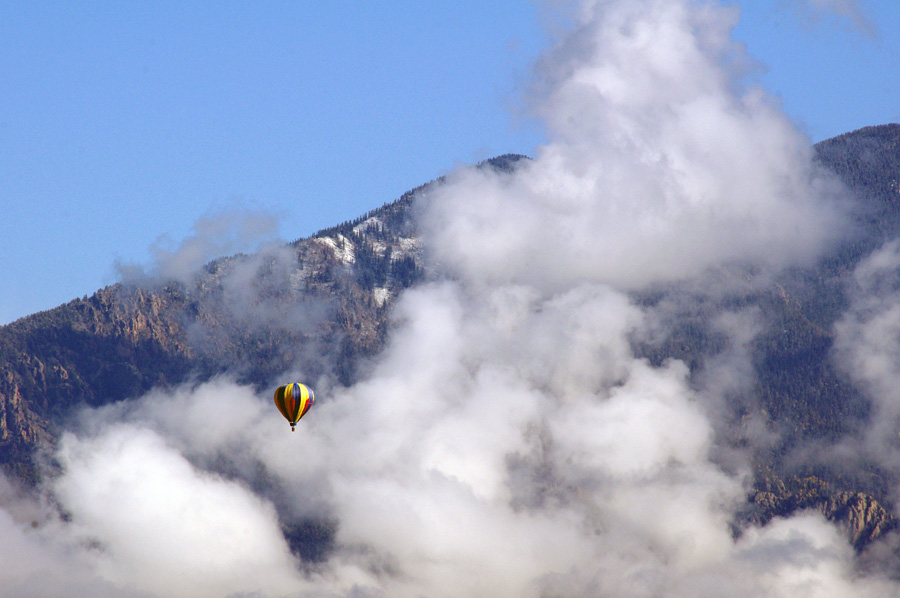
(661, 165)
(508, 441)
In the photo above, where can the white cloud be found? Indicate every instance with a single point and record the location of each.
(659, 166)
(459, 466)
(154, 523)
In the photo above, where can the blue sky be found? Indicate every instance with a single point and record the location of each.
(124, 123)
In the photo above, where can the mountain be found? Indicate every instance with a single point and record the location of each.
(320, 307)
(322, 301)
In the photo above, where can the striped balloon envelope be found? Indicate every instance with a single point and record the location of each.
(294, 400)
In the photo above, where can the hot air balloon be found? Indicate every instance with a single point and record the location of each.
(294, 400)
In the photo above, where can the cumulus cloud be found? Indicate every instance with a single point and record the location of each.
(508, 441)
(36, 562)
(156, 524)
(661, 165)
(481, 457)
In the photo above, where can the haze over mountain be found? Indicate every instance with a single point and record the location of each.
(657, 358)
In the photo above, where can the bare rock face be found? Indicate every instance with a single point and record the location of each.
(860, 515)
(18, 425)
(115, 344)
